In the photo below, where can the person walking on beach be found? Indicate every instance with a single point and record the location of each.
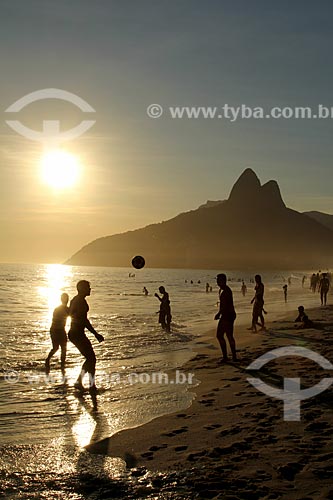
(165, 311)
(145, 291)
(243, 289)
(58, 333)
(324, 286)
(285, 292)
(78, 311)
(258, 304)
(226, 317)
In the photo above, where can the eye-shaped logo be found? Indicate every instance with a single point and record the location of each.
(51, 128)
(291, 394)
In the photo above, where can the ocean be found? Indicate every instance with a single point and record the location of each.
(42, 416)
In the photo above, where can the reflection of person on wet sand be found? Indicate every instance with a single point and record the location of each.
(58, 333)
(165, 311)
(78, 311)
(226, 317)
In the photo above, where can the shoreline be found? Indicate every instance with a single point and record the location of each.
(231, 430)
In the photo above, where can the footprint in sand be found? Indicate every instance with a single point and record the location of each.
(175, 432)
(230, 431)
(183, 415)
(207, 402)
(181, 448)
(148, 455)
(212, 427)
(232, 407)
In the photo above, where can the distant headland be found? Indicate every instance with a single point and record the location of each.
(252, 229)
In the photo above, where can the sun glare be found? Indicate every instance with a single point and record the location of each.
(60, 169)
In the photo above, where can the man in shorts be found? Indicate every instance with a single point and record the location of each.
(78, 311)
(58, 333)
(226, 317)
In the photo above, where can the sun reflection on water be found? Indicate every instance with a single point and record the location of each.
(57, 280)
(83, 429)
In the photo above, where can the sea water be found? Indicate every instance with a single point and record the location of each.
(37, 410)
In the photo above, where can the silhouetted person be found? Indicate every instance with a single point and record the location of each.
(285, 292)
(58, 333)
(243, 289)
(165, 310)
(303, 281)
(303, 318)
(78, 311)
(324, 286)
(313, 282)
(289, 280)
(207, 287)
(258, 304)
(145, 291)
(226, 317)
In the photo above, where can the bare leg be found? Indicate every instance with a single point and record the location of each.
(232, 344)
(47, 361)
(220, 337)
(63, 356)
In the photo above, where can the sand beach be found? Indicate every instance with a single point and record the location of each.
(233, 443)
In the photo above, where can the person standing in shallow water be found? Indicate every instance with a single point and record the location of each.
(78, 311)
(58, 332)
(165, 310)
(258, 304)
(226, 317)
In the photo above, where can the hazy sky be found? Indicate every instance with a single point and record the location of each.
(120, 56)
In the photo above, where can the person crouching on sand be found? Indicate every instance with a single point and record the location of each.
(303, 319)
(78, 311)
(58, 333)
(226, 317)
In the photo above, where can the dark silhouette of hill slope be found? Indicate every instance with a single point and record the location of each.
(324, 219)
(253, 229)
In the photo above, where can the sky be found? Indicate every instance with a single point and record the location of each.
(122, 56)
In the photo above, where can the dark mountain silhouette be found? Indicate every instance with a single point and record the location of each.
(253, 229)
(324, 219)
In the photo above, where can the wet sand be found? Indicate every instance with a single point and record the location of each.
(233, 442)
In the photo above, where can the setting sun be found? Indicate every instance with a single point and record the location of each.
(60, 169)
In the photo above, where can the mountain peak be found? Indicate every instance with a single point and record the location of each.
(272, 194)
(248, 191)
(246, 186)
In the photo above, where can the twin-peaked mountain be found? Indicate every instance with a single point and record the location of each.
(253, 229)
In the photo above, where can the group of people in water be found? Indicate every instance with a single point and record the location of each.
(78, 312)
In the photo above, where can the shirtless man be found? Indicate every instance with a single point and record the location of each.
(78, 311)
(226, 317)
